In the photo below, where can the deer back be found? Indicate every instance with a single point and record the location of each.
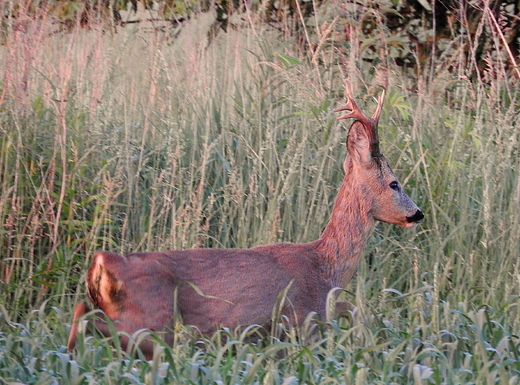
(208, 288)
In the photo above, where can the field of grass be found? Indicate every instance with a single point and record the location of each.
(153, 139)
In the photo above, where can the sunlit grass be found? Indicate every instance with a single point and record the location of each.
(136, 141)
(474, 347)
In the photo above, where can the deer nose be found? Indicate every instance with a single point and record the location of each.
(416, 218)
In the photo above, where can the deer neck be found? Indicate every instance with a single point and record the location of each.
(344, 238)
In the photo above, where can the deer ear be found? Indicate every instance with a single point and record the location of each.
(358, 144)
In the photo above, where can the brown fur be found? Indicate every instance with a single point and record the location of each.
(213, 288)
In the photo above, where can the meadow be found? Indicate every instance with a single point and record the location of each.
(149, 137)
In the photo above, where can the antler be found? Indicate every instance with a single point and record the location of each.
(370, 124)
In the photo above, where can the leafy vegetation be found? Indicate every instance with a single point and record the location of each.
(417, 34)
(151, 137)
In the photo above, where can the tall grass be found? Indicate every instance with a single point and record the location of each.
(135, 140)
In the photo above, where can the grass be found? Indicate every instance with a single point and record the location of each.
(135, 141)
(475, 348)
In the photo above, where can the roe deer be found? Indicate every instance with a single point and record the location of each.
(212, 288)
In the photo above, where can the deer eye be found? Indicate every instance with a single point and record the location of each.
(394, 185)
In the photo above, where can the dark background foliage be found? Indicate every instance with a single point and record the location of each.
(422, 29)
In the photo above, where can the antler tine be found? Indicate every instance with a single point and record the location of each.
(380, 102)
(351, 106)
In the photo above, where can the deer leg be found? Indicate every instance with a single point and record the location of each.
(145, 345)
(344, 309)
(80, 310)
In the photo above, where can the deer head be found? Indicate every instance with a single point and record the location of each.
(387, 201)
